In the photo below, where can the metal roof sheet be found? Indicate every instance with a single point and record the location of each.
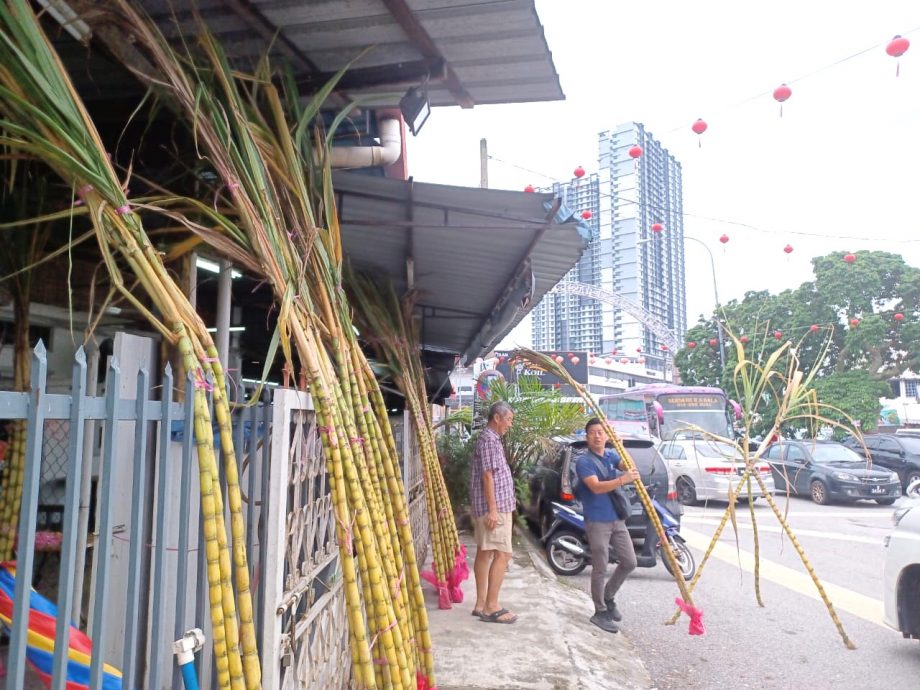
(494, 51)
(468, 247)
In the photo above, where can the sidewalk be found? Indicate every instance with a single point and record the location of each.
(552, 646)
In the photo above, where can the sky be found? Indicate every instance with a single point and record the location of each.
(838, 171)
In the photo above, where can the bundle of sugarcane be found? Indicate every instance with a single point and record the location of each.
(241, 124)
(43, 117)
(389, 324)
(541, 362)
(18, 249)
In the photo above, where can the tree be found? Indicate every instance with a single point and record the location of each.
(840, 323)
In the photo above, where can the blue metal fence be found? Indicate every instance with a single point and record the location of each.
(166, 592)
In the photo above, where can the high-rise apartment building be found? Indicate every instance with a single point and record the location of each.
(629, 199)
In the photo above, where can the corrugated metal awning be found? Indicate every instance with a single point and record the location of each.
(480, 258)
(472, 52)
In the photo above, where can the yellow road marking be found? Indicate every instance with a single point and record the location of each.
(844, 599)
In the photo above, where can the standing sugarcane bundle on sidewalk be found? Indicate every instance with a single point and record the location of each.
(388, 323)
(276, 206)
(42, 116)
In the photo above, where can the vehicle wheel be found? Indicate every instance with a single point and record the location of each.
(564, 562)
(686, 492)
(885, 501)
(819, 493)
(684, 556)
(911, 477)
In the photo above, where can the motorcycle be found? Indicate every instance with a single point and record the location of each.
(568, 552)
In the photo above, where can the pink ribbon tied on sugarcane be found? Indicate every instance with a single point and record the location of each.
(459, 573)
(330, 432)
(378, 660)
(696, 616)
(440, 585)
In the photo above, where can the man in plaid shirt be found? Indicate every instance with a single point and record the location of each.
(492, 501)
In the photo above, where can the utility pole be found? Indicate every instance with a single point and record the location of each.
(483, 164)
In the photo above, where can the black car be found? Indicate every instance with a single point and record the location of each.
(551, 480)
(898, 452)
(829, 471)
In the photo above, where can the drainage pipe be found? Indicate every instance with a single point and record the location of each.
(388, 152)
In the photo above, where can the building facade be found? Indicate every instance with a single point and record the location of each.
(628, 200)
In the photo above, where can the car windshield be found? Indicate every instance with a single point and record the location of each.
(835, 452)
(911, 445)
(716, 449)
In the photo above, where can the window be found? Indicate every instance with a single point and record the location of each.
(774, 452)
(795, 454)
(910, 389)
(888, 446)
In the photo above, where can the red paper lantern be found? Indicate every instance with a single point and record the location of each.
(713, 342)
(778, 335)
(608, 360)
(579, 172)
(691, 344)
(788, 249)
(664, 348)
(641, 360)
(849, 258)
(586, 215)
(723, 239)
(781, 93)
(899, 316)
(559, 359)
(575, 360)
(639, 349)
(529, 189)
(614, 351)
(624, 360)
(699, 126)
(657, 227)
(814, 328)
(854, 322)
(897, 46)
(743, 339)
(635, 151)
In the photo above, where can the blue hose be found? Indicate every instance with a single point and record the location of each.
(188, 676)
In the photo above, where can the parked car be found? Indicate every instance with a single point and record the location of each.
(551, 480)
(706, 470)
(899, 452)
(829, 471)
(902, 567)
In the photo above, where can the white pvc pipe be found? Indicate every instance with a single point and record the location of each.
(387, 153)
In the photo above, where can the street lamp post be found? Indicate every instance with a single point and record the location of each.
(715, 290)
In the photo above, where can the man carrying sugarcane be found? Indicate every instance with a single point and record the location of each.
(492, 501)
(599, 475)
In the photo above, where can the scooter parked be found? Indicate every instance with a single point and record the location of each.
(568, 552)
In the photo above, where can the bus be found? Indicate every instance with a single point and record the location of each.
(663, 411)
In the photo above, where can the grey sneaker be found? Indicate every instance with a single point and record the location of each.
(612, 612)
(604, 623)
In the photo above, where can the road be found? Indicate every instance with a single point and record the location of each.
(791, 642)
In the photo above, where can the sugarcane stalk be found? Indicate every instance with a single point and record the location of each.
(808, 566)
(543, 362)
(750, 501)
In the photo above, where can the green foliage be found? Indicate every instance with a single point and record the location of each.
(854, 391)
(540, 414)
(454, 452)
(850, 361)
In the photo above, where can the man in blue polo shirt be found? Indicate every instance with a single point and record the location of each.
(598, 475)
